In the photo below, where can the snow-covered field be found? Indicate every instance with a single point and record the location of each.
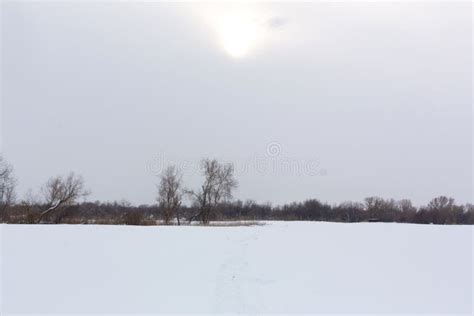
(288, 267)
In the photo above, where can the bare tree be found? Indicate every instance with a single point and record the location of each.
(352, 210)
(218, 184)
(170, 193)
(7, 186)
(444, 210)
(441, 202)
(407, 211)
(62, 192)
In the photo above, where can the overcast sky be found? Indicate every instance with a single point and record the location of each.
(330, 101)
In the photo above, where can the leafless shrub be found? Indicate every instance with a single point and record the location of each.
(236, 223)
(133, 217)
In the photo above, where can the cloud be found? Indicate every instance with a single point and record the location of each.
(276, 22)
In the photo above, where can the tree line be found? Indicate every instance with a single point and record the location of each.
(59, 201)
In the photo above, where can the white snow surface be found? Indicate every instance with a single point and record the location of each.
(280, 267)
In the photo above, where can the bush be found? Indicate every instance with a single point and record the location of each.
(134, 217)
